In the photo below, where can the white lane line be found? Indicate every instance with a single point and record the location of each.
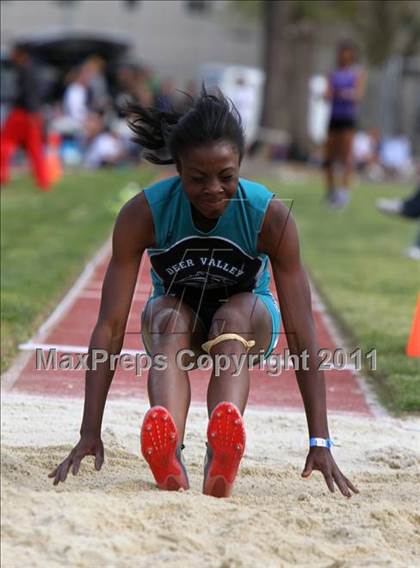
(32, 345)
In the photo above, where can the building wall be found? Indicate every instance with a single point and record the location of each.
(165, 34)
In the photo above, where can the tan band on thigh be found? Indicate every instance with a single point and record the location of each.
(225, 336)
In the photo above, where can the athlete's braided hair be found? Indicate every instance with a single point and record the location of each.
(165, 135)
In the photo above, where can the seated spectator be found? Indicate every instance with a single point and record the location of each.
(395, 155)
(102, 147)
(365, 148)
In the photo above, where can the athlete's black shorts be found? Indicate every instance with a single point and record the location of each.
(342, 124)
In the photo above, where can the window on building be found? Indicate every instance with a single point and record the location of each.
(131, 4)
(198, 6)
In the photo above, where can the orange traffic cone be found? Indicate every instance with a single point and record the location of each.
(54, 167)
(413, 345)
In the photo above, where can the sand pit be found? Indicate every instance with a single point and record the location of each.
(276, 518)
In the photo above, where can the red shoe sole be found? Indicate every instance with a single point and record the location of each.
(159, 442)
(226, 438)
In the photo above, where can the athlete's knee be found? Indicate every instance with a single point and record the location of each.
(227, 326)
(230, 320)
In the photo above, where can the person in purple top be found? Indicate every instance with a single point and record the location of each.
(345, 90)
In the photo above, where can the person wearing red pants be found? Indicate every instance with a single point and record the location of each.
(23, 125)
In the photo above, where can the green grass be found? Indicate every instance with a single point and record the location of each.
(355, 259)
(46, 240)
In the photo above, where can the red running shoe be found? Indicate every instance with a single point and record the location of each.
(160, 448)
(225, 448)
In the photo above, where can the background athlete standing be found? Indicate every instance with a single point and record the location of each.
(206, 144)
(345, 90)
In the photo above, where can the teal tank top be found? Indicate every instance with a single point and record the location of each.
(212, 264)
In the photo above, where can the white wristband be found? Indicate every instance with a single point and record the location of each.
(321, 442)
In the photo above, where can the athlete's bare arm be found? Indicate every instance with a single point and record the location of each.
(360, 85)
(328, 95)
(279, 239)
(133, 233)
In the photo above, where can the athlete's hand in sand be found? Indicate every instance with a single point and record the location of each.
(87, 446)
(321, 459)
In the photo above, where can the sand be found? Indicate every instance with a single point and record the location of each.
(118, 518)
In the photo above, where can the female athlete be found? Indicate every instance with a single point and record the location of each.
(345, 90)
(209, 234)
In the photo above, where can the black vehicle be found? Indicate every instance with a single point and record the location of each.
(57, 52)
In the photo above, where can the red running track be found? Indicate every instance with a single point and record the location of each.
(73, 329)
